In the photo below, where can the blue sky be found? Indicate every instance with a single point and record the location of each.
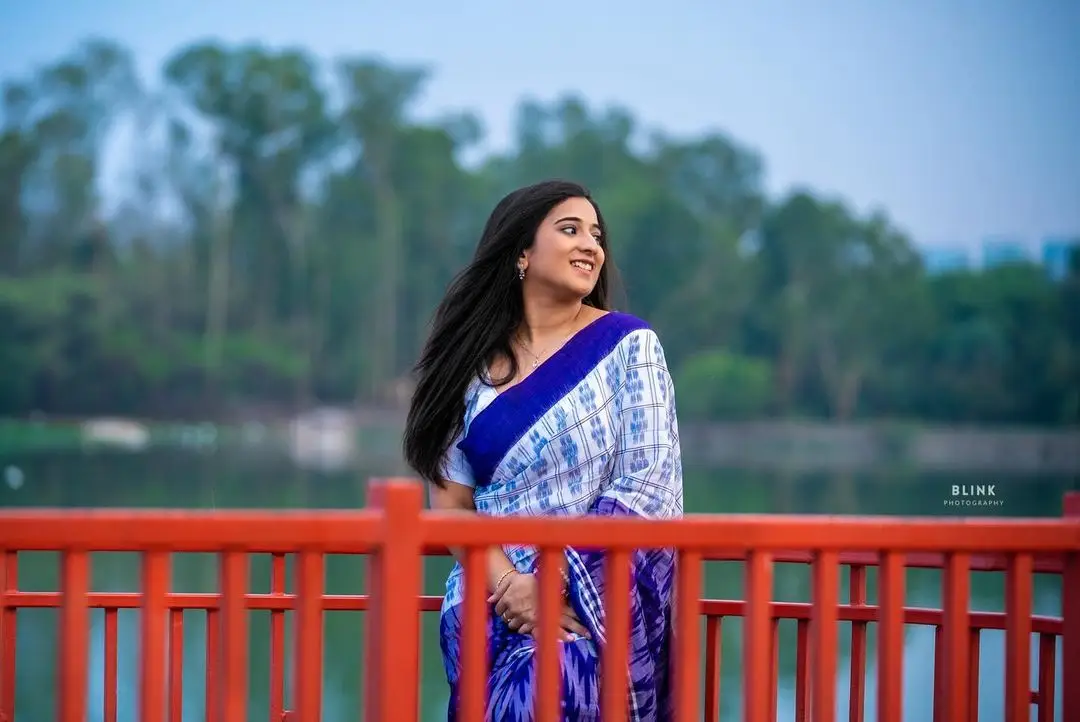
(960, 117)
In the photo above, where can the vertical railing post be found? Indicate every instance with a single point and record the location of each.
(74, 634)
(373, 635)
(891, 590)
(9, 572)
(392, 634)
(955, 635)
(234, 572)
(757, 636)
(1070, 615)
(309, 628)
(152, 632)
(277, 639)
(1018, 595)
(826, 576)
(857, 667)
(689, 581)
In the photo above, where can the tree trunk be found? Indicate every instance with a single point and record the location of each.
(842, 385)
(217, 303)
(384, 322)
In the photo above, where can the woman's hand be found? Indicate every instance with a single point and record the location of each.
(568, 623)
(516, 601)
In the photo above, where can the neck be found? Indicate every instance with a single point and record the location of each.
(546, 317)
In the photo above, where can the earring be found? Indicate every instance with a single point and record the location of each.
(521, 273)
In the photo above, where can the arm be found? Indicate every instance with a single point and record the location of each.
(646, 482)
(513, 593)
(458, 498)
(647, 476)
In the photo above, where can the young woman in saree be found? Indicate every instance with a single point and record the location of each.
(534, 398)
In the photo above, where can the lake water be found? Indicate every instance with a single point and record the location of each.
(184, 479)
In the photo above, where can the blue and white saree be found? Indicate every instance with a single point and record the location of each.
(592, 430)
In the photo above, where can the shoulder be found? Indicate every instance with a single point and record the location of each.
(622, 328)
(625, 322)
(640, 344)
(475, 399)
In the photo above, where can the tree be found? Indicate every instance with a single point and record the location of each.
(284, 234)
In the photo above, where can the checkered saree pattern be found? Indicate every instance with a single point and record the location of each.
(593, 430)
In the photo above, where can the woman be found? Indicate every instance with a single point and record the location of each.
(533, 398)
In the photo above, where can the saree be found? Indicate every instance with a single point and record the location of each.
(592, 430)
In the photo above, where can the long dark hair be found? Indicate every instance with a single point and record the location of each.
(477, 318)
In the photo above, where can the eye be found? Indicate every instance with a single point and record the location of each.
(572, 230)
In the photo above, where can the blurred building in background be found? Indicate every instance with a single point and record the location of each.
(944, 260)
(1002, 250)
(1057, 253)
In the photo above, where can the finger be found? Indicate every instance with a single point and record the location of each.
(564, 634)
(573, 624)
(515, 624)
(527, 628)
(510, 614)
(500, 589)
(534, 630)
(572, 613)
(516, 608)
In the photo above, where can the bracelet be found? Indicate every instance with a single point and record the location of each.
(504, 575)
(566, 583)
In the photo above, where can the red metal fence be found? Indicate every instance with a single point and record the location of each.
(395, 533)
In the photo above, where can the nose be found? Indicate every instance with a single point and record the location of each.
(588, 245)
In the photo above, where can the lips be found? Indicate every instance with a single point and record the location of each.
(586, 266)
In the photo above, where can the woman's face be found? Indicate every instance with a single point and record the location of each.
(567, 253)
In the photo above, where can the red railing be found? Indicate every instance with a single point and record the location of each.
(395, 533)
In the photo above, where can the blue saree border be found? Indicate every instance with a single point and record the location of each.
(517, 409)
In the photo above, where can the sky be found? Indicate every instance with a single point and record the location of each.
(960, 118)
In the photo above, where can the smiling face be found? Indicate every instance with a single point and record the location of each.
(567, 253)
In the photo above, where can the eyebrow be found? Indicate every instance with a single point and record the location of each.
(575, 218)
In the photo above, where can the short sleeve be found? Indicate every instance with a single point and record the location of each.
(455, 467)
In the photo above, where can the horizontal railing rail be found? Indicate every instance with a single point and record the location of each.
(395, 533)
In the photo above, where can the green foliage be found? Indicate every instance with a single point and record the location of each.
(287, 232)
(722, 385)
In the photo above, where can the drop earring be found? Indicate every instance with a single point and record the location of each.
(521, 273)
